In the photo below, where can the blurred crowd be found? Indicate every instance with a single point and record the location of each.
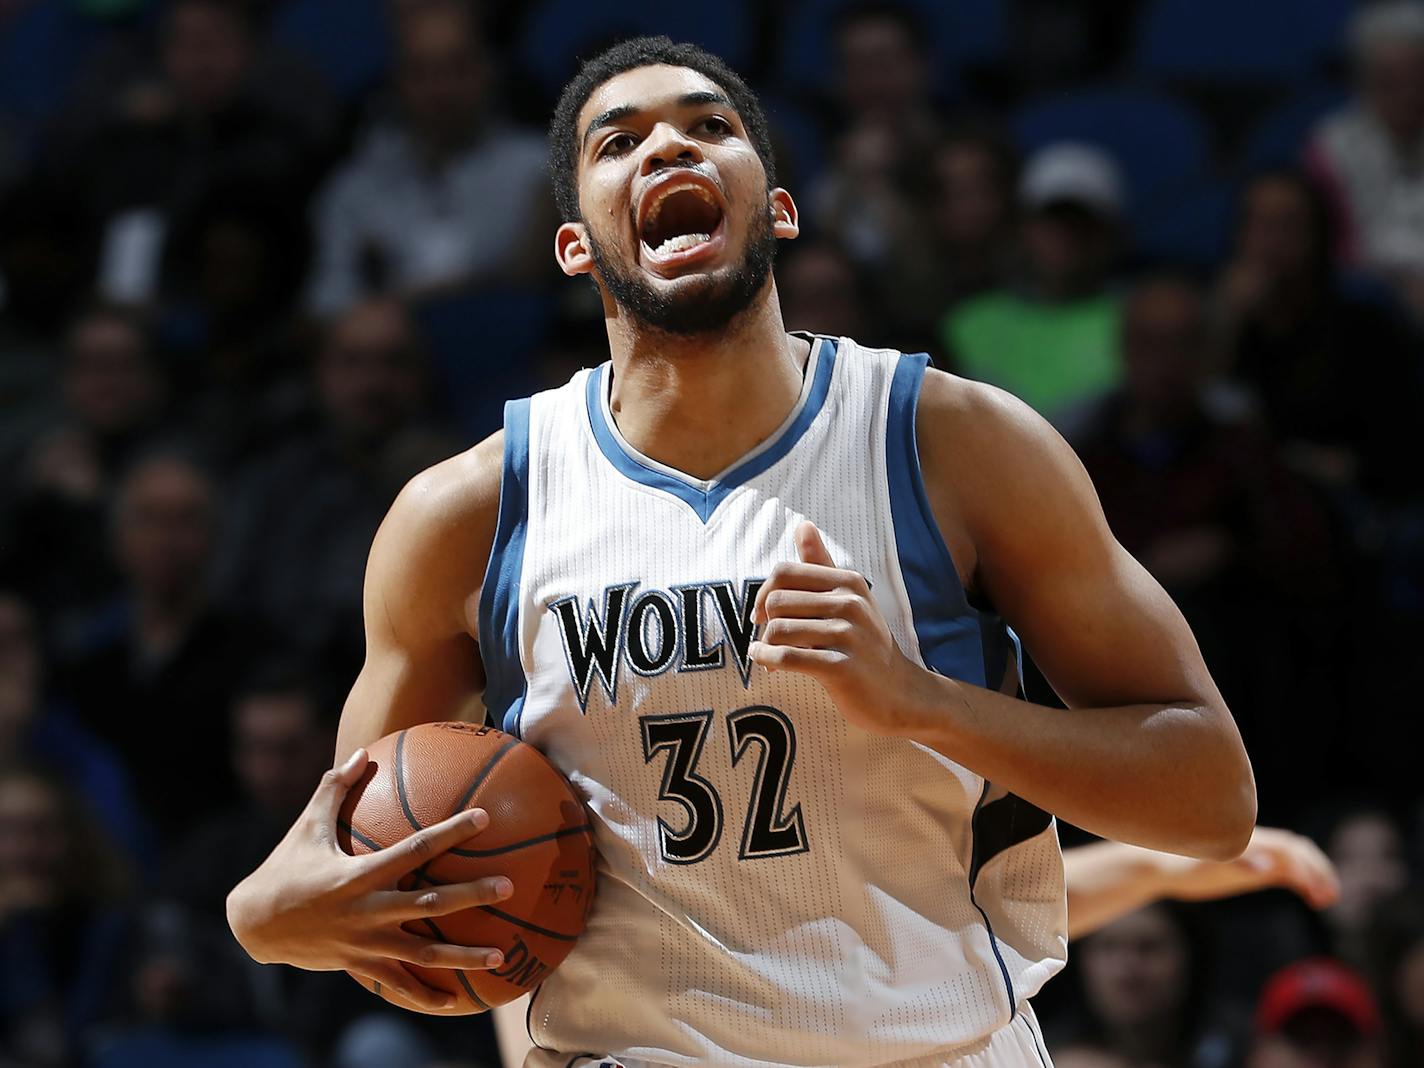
(263, 260)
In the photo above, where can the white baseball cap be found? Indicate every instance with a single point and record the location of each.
(1076, 173)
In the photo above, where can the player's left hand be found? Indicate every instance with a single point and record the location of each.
(820, 620)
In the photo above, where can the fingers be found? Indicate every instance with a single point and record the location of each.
(386, 976)
(791, 658)
(811, 578)
(401, 905)
(410, 853)
(333, 787)
(1312, 875)
(798, 604)
(432, 953)
(808, 633)
(810, 547)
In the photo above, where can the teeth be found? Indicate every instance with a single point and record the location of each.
(665, 193)
(680, 243)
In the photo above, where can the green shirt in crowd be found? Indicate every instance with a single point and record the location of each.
(1050, 355)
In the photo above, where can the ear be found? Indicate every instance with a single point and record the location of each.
(571, 249)
(784, 219)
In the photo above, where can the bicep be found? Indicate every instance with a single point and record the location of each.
(425, 568)
(1101, 629)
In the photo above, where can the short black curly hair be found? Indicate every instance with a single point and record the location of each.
(629, 55)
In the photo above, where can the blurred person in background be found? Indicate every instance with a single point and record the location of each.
(1051, 339)
(1144, 996)
(150, 142)
(821, 289)
(1336, 378)
(61, 467)
(1369, 155)
(1396, 959)
(303, 516)
(47, 264)
(37, 728)
(885, 127)
(234, 270)
(1207, 505)
(959, 239)
(448, 193)
(62, 925)
(1316, 1013)
(158, 666)
(1367, 845)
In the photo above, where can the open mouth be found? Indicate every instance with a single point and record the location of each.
(679, 221)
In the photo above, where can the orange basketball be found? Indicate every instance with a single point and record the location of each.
(538, 835)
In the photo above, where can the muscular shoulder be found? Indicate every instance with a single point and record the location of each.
(997, 474)
(429, 557)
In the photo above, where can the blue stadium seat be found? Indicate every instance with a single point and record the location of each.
(1161, 144)
(960, 32)
(159, 1049)
(557, 34)
(1193, 228)
(41, 49)
(1280, 137)
(482, 344)
(1232, 41)
(347, 40)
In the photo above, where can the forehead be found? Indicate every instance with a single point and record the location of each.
(649, 88)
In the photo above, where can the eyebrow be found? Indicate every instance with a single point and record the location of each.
(626, 111)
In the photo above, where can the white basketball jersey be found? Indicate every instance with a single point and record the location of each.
(776, 886)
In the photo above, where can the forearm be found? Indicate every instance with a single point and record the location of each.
(1164, 776)
(1107, 880)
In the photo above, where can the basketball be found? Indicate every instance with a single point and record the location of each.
(538, 836)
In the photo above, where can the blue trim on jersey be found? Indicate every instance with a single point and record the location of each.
(705, 501)
(499, 598)
(945, 625)
(951, 639)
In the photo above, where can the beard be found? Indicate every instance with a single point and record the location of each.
(705, 307)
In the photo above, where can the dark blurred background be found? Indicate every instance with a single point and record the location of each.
(262, 261)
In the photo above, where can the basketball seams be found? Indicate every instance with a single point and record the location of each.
(400, 783)
(514, 847)
(483, 774)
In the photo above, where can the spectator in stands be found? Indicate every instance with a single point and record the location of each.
(1207, 505)
(884, 73)
(62, 461)
(36, 728)
(1366, 844)
(1397, 970)
(236, 265)
(61, 921)
(1336, 378)
(47, 264)
(1316, 1013)
(959, 242)
(1052, 339)
(159, 666)
(303, 517)
(446, 194)
(885, 128)
(1144, 995)
(822, 290)
(1368, 154)
(150, 149)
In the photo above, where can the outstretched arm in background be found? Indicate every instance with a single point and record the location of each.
(1107, 880)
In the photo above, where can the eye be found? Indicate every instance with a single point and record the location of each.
(715, 125)
(616, 145)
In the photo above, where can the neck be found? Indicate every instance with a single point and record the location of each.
(698, 403)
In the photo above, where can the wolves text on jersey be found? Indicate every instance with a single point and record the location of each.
(654, 631)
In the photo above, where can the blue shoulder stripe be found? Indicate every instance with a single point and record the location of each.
(499, 599)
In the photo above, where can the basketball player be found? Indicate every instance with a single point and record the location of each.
(750, 590)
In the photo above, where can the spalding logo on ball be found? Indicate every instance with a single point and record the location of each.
(538, 835)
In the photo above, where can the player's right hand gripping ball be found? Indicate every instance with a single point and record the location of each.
(539, 836)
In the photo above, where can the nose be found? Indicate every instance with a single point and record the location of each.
(668, 146)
